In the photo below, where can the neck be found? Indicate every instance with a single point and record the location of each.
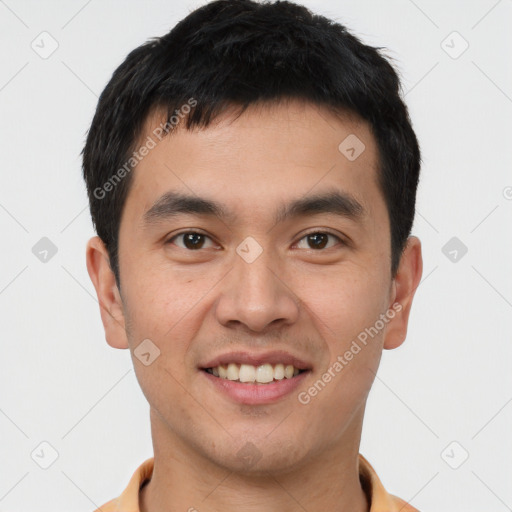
(185, 480)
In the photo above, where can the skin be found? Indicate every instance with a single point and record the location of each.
(196, 304)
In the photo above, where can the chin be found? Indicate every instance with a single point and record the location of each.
(259, 456)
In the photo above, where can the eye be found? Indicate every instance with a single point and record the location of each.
(192, 240)
(318, 240)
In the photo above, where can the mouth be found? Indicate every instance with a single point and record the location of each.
(251, 374)
(255, 379)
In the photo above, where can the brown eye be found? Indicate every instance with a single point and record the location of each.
(318, 240)
(191, 240)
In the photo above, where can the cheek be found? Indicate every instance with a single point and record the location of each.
(345, 303)
(160, 299)
(162, 321)
(343, 316)
(347, 315)
(157, 325)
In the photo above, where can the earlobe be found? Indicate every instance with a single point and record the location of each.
(103, 279)
(405, 284)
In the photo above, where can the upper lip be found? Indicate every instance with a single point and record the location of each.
(241, 357)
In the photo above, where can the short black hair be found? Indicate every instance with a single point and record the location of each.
(238, 53)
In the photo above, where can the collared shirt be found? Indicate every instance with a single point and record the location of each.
(378, 498)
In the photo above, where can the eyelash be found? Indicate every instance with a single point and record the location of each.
(314, 232)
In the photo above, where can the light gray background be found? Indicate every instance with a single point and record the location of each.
(451, 381)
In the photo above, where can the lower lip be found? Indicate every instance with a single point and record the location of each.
(256, 394)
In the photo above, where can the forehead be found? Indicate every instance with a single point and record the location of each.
(255, 160)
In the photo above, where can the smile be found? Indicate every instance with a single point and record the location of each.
(247, 373)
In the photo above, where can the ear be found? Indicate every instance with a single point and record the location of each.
(404, 286)
(109, 298)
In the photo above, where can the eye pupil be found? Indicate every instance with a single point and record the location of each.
(194, 238)
(315, 237)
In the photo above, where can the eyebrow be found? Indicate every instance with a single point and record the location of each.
(173, 204)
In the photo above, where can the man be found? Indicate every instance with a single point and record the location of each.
(252, 179)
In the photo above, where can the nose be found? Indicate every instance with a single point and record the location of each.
(257, 295)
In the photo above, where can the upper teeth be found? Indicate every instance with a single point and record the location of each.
(249, 373)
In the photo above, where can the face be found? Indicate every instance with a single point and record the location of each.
(216, 267)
